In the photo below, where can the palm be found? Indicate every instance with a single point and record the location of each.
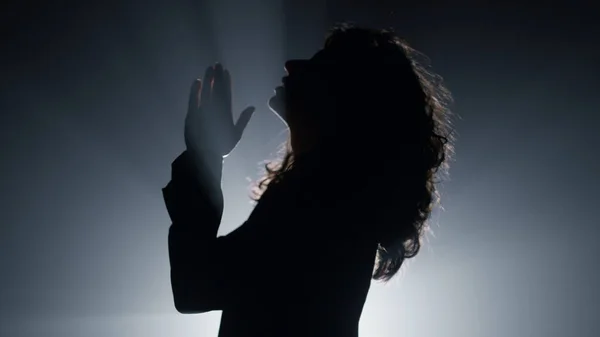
(209, 125)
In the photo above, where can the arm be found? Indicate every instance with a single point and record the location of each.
(194, 201)
(193, 196)
(213, 273)
(206, 270)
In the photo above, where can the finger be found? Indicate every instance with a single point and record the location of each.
(219, 89)
(227, 86)
(207, 87)
(242, 122)
(194, 100)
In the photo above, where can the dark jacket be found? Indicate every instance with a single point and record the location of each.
(301, 264)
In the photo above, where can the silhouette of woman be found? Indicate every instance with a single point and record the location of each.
(347, 203)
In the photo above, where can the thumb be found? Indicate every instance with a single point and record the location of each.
(243, 121)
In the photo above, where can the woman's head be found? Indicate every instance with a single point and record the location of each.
(363, 99)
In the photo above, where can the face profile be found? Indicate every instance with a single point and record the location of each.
(301, 86)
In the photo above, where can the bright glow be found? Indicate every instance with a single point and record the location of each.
(92, 115)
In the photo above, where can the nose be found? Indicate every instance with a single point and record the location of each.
(292, 66)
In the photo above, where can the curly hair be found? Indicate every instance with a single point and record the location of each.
(411, 154)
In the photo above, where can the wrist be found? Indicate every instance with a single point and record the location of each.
(207, 166)
(201, 173)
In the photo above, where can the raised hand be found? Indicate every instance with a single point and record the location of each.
(209, 126)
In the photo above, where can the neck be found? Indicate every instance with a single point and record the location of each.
(304, 143)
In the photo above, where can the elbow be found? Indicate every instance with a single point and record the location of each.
(189, 302)
(186, 307)
(181, 307)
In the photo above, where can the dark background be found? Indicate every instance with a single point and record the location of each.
(92, 105)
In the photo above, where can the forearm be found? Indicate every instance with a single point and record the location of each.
(195, 188)
(207, 170)
(189, 257)
(195, 203)
(194, 198)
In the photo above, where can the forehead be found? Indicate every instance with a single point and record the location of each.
(325, 61)
(295, 65)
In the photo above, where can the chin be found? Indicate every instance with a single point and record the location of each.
(277, 105)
